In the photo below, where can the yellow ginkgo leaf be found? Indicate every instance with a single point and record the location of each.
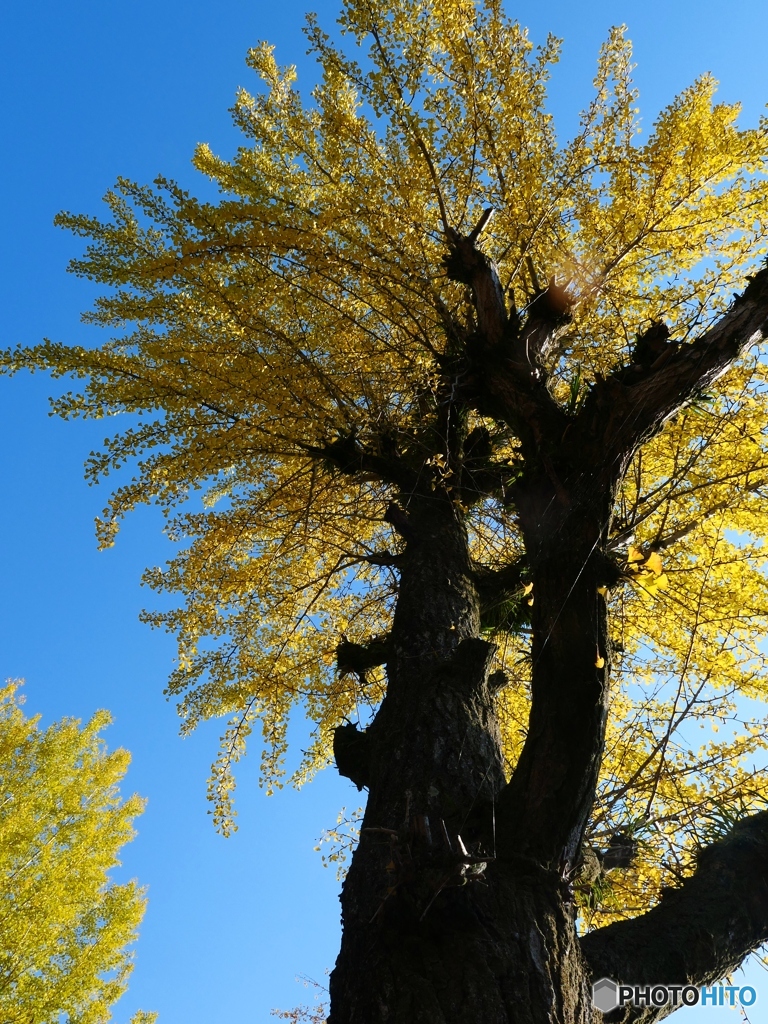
(62, 824)
(653, 562)
(650, 585)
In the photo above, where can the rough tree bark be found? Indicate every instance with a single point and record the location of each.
(457, 908)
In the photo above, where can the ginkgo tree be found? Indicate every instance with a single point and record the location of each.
(65, 926)
(478, 418)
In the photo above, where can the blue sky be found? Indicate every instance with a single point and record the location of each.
(91, 90)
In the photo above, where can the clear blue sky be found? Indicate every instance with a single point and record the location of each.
(91, 90)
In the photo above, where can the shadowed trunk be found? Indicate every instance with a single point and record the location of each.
(544, 810)
(439, 927)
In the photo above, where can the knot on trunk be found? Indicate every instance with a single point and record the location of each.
(357, 659)
(352, 753)
(400, 520)
(552, 305)
(470, 663)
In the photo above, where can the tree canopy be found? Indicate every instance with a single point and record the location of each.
(65, 927)
(322, 341)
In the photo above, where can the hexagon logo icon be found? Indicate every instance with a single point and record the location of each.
(605, 995)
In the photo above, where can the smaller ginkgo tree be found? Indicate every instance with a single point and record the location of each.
(65, 927)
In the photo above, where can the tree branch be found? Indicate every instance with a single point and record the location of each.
(359, 658)
(349, 456)
(505, 580)
(625, 414)
(505, 377)
(466, 264)
(548, 312)
(666, 540)
(480, 475)
(383, 559)
(698, 933)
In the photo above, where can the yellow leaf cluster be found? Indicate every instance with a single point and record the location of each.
(646, 571)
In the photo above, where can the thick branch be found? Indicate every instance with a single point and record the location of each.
(504, 581)
(383, 559)
(505, 376)
(543, 811)
(698, 933)
(625, 414)
(349, 456)
(360, 658)
(548, 312)
(465, 263)
(481, 477)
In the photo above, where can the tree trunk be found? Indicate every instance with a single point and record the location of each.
(438, 929)
(486, 953)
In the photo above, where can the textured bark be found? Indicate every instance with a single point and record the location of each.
(544, 810)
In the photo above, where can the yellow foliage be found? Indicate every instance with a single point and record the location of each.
(307, 308)
(64, 927)
(653, 563)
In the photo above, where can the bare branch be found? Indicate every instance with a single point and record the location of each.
(349, 456)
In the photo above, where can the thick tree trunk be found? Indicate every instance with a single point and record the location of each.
(488, 953)
(436, 928)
